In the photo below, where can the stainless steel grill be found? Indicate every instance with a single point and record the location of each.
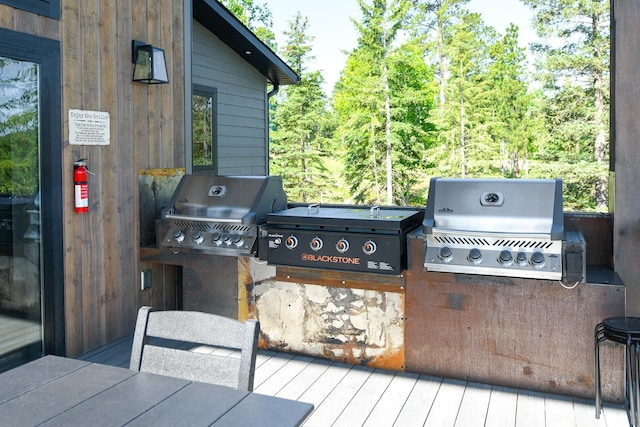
(502, 227)
(220, 214)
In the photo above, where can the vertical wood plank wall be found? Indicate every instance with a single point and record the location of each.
(147, 131)
(625, 111)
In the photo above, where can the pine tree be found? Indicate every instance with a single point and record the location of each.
(576, 74)
(298, 142)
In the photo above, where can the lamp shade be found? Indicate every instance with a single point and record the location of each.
(149, 64)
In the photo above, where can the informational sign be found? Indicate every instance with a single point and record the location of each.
(89, 127)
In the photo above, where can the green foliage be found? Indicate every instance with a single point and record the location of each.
(19, 154)
(431, 90)
(299, 138)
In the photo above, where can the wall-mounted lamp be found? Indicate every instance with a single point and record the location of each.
(149, 65)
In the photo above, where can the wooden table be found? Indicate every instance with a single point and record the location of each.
(58, 391)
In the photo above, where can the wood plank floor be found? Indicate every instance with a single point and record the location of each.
(350, 396)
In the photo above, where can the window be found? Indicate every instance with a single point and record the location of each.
(204, 105)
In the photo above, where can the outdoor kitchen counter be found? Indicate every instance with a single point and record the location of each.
(526, 333)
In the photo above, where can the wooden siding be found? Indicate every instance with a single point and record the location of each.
(242, 113)
(26, 22)
(147, 131)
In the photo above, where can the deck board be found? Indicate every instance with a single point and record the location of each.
(502, 407)
(420, 401)
(447, 403)
(348, 395)
(392, 400)
(474, 406)
(530, 409)
(332, 406)
(362, 404)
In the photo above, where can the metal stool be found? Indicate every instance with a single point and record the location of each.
(625, 331)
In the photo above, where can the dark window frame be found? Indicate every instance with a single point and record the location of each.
(202, 90)
(46, 53)
(49, 8)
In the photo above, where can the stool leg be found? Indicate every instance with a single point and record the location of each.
(597, 379)
(636, 380)
(630, 389)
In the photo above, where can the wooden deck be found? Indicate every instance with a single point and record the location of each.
(346, 395)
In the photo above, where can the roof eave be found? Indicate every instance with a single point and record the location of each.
(217, 19)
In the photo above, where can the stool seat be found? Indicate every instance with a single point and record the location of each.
(624, 325)
(625, 331)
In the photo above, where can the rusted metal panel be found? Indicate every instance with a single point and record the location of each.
(155, 188)
(358, 326)
(525, 333)
(342, 279)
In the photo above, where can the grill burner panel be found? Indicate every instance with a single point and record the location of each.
(502, 227)
(220, 215)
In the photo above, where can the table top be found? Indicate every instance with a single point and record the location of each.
(58, 391)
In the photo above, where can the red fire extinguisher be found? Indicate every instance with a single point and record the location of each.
(81, 186)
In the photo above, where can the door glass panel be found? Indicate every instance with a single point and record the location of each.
(21, 336)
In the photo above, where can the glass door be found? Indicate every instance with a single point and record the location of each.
(21, 326)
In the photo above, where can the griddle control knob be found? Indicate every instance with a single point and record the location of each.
(342, 246)
(369, 247)
(475, 256)
(505, 258)
(197, 237)
(178, 236)
(445, 254)
(521, 258)
(537, 260)
(316, 243)
(291, 242)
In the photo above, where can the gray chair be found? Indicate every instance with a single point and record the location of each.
(164, 343)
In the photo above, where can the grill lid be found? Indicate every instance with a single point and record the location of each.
(226, 199)
(346, 218)
(502, 206)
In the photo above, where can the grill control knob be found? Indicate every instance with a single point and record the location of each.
(537, 260)
(316, 243)
(226, 239)
(342, 246)
(237, 241)
(178, 236)
(215, 238)
(475, 256)
(197, 237)
(521, 258)
(291, 242)
(369, 247)
(445, 254)
(505, 257)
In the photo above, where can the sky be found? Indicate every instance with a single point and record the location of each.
(334, 33)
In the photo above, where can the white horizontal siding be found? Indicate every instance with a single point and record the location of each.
(242, 104)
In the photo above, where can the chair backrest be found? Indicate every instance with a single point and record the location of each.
(196, 346)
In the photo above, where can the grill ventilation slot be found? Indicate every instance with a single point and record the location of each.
(205, 226)
(461, 240)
